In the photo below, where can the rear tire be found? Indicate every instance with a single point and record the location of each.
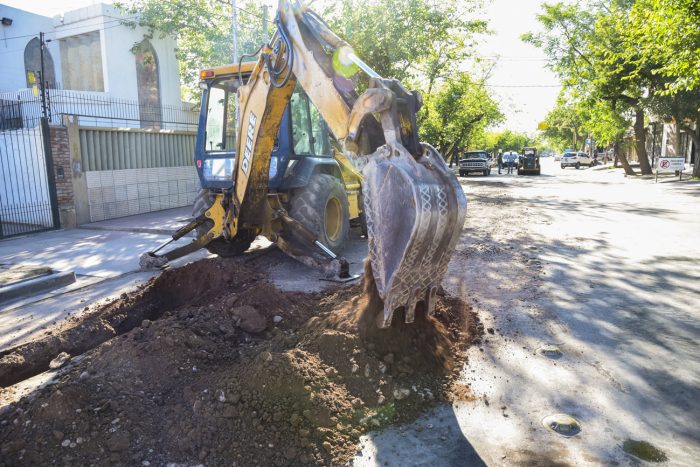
(322, 206)
(462, 174)
(220, 246)
(562, 166)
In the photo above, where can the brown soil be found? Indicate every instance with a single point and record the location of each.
(189, 385)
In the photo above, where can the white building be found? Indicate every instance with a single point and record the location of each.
(88, 50)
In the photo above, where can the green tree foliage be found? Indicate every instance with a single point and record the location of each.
(456, 115)
(506, 141)
(563, 125)
(409, 40)
(423, 43)
(202, 29)
(623, 59)
(586, 45)
(668, 33)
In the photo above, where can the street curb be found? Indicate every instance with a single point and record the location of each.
(143, 230)
(36, 285)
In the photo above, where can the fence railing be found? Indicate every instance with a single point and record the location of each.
(23, 109)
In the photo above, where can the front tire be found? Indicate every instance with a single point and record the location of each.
(578, 165)
(562, 167)
(220, 246)
(322, 206)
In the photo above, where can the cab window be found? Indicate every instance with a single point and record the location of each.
(309, 130)
(301, 124)
(319, 132)
(221, 116)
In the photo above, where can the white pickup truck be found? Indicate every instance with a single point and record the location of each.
(576, 159)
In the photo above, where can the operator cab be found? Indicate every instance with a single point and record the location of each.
(302, 147)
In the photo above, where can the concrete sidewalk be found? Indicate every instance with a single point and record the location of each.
(160, 222)
(103, 255)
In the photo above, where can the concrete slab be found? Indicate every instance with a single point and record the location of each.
(159, 222)
(36, 285)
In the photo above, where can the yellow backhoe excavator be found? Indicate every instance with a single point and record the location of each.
(284, 145)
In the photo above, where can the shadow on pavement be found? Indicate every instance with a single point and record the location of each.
(435, 440)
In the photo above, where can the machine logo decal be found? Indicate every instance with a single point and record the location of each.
(245, 163)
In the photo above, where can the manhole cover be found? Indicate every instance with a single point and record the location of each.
(561, 423)
(551, 351)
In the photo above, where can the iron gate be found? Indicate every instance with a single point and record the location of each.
(28, 201)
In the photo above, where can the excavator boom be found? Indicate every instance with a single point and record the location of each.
(414, 206)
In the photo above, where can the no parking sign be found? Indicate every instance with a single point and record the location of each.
(670, 164)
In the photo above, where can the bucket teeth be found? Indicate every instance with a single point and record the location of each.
(415, 210)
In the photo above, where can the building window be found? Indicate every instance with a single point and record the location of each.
(148, 83)
(32, 64)
(81, 62)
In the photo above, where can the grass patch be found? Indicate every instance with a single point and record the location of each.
(644, 450)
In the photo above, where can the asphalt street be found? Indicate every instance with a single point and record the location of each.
(588, 283)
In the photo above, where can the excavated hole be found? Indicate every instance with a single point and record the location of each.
(215, 365)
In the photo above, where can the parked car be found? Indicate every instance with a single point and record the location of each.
(474, 161)
(576, 159)
(529, 162)
(557, 157)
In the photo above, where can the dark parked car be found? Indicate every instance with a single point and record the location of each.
(474, 161)
(529, 162)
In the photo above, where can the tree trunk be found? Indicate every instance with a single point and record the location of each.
(619, 155)
(640, 142)
(616, 152)
(695, 136)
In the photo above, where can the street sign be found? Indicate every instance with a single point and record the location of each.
(670, 164)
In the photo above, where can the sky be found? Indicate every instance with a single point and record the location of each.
(520, 64)
(516, 63)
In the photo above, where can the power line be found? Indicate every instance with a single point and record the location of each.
(74, 27)
(524, 85)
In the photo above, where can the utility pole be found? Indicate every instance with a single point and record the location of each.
(42, 85)
(234, 29)
(265, 30)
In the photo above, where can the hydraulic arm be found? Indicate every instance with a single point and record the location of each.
(413, 204)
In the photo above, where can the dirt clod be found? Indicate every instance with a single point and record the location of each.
(209, 381)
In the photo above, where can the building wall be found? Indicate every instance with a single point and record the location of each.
(116, 42)
(119, 193)
(122, 172)
(25, 26)
(61, 157)
(118, 61)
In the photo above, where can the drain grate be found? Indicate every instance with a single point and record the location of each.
(563, 424)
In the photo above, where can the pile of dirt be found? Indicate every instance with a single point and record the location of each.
(225, 369)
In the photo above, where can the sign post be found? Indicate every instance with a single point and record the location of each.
(670, 164)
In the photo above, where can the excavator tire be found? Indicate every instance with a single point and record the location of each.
(322, 206)
(220, 246)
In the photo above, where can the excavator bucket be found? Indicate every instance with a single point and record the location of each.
(415, 209)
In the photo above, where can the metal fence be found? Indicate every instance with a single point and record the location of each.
(23, 109)
(27, 192)
(115, 134)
